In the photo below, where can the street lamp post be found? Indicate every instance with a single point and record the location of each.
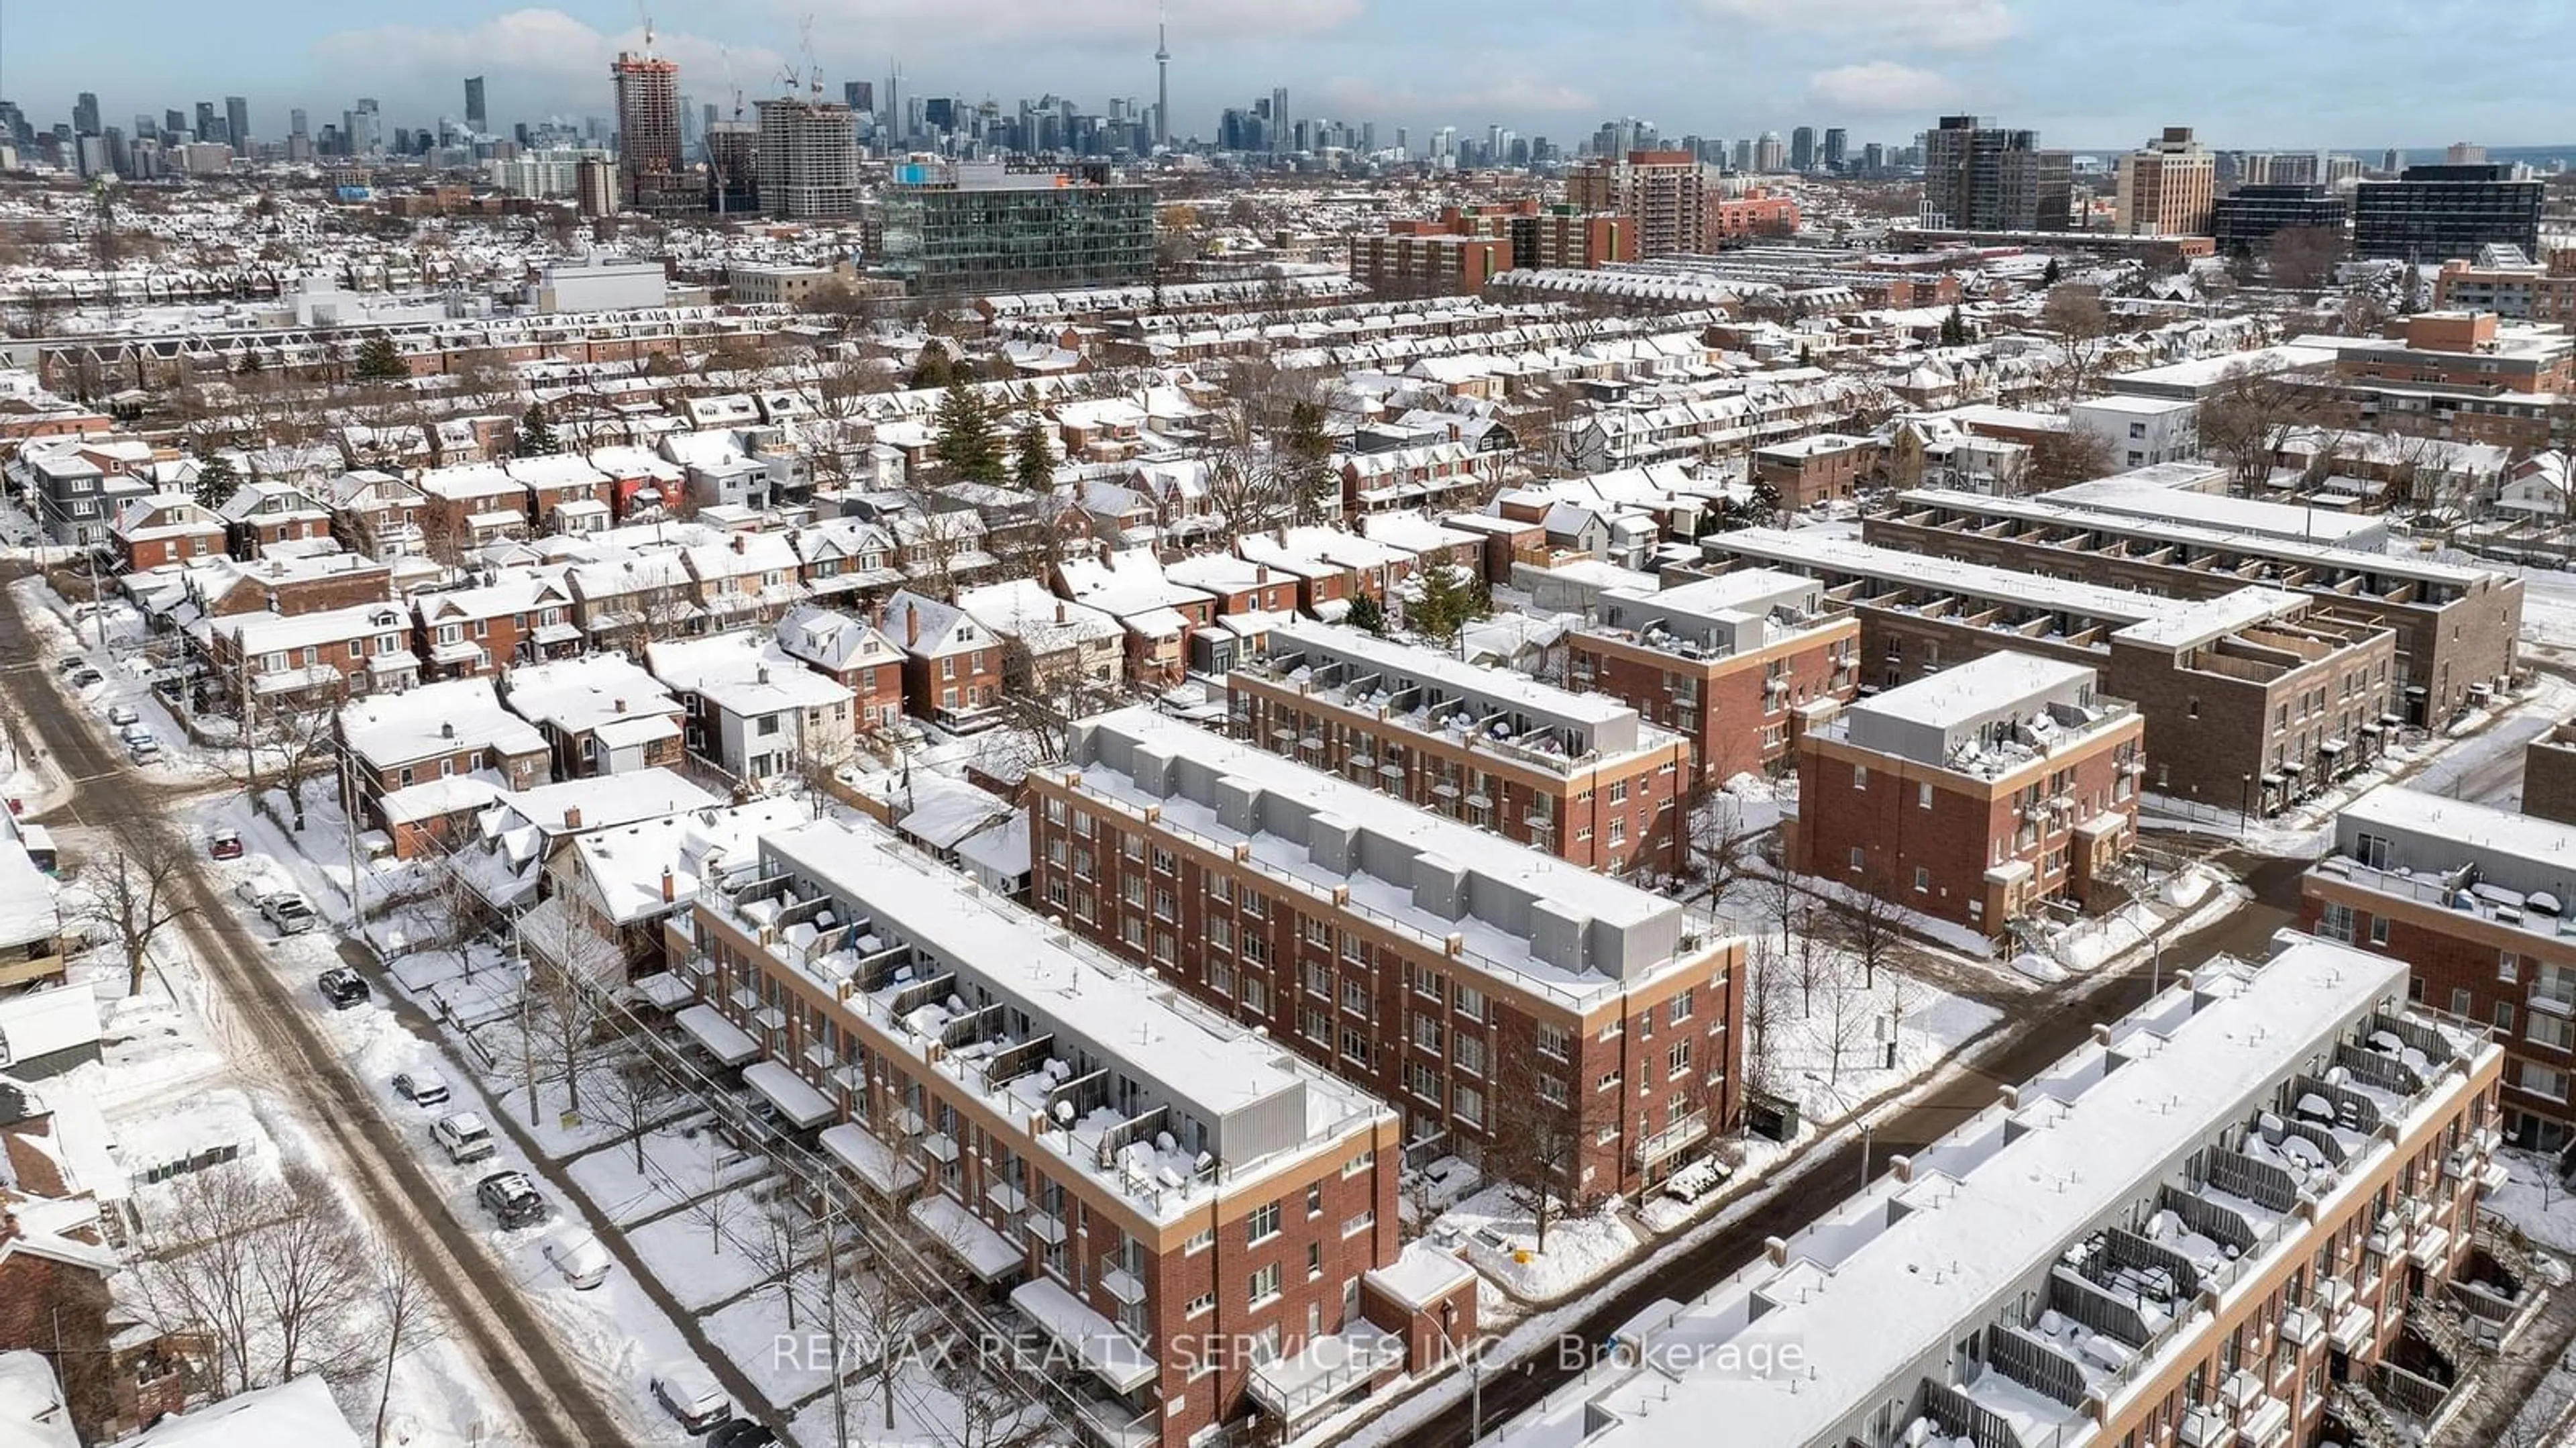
(2245, 809)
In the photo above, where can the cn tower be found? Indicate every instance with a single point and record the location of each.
(1162, 78)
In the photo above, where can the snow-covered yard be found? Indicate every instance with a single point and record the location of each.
(2533, 1200)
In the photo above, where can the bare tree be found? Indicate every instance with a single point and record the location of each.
(1811, 952)
(1720, 835)
(2303, 258)
(628, 1093)
(312, 1272)
(2073, 455)
(779, 1243)
(408, 1315)
(2079, 327)
(564, 1011)
(882, 1306)
(1537, 1149)
(2245, 421)
(1765, 1006)
(1847, 1012)
(1871, 927)
(133, 897)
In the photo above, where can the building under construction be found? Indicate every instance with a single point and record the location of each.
(652, 175)
(733, 168)
(809, 158)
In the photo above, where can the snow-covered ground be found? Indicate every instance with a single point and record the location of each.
(2533, 1200)
(2182, 902)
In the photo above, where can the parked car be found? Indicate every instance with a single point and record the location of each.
(224, 845)
(144, 750)
(122, 715)
(84, 676)
(511, 1198)
(421, 1088)
(741, 1433)
(287, 911)
(135, 732)
(343, 988)
(70, 663)
(464, 1137)
(579, 1257)
(690, 1395)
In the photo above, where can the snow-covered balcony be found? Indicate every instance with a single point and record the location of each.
(1328, 1371)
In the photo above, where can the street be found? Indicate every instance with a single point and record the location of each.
(555, 1400)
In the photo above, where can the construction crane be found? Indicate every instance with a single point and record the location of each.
(645, 14)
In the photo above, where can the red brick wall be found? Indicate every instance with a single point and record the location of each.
(1381, 996)
(2449, 953)
(1736, 725)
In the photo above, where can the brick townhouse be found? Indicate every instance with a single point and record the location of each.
(1738, 665)
(468, 505)
(1578, 775)
(1535, 1018)
(558, 479)
(1148, 1183)
(600, 714)
(376, 514)
(2457, 627)
(2473, 900)
(852, 653)
(1975, 794)
(952, 665)
(158, 530)
(309, 658)
(261, 515)
(409, 755)
(2246, 1216)
(1825, 467)
(516, 620)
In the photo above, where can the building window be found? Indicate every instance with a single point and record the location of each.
(1857, 856)
(1680, 1009)
(2508, 967)
(1552, 1042)
(1264, 1287)
(1262, 1225)
(1922, 879)
(1860, 776)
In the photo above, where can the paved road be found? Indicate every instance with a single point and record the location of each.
(2049, 1024)
(555, 1401)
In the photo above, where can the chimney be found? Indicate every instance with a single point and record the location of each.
(621, 707)
(447, 730)
(741, 544)
(911, 627)
(572, 817)
(1261, 575)
(666, 885)
(1059, 610)
(764, 673)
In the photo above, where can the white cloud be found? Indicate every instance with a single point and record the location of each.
(1195, 24)
(1494, 95)
(1879, 87)
(1933, 24)
(542, 47)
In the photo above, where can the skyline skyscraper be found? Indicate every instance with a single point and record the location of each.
(237, 123)
(1162, 78)
(649, 154)
(85, 114)
(477, 119)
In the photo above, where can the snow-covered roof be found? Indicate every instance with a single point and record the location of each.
(1044, 623)
(575, 806)
(834, 641)
(940, 812)
(579, 695)
(41, 1022)
(744, 673)
(624, 864)
(33, 1413)
(921, 625)
(28, 910)
(434, 720)
(300, 1412)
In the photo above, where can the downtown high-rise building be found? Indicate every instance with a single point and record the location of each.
(2167, 187)
(808, 157)
(206, 122)
(85, 114)
(237, 123)
(477, 119)
(1978, 177)
(652, 174)
(1837, 148)
(1802, 149)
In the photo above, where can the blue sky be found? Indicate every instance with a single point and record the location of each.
(2087, 73)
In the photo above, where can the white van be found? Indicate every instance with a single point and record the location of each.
(579, 1257)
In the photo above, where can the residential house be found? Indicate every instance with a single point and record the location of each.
(377, 514)
(158, 530)
(469, 505)
(952, 672)
(558, 480)
(1158, 614)
(846, 559)
(854, 654)
(1055, 651)
(754, 710)
(303, 660)
(406, 755)
(519, 619)
(600, 714)
(262, 515)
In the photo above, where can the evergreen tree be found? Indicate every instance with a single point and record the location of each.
(215, 480)
(380, 361)
(933, 370)
(1366, 615)
(1306, 463)
(249, 366)
(536, 432)
(1033, 459)
(1954, 328)
(965, 444)
(2049, 277)
(1451, 599)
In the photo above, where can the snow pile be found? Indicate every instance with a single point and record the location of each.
(1501, 1238)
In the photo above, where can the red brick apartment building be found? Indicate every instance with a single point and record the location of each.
(1466, 247)
(1669, 195)
(1972, 795)
(1531, 1017)
(1756, 213)
(2462, 376)
(1738, 665)
(2541, 293)
(2474, 900)
(1417, 259)
(1148, 1183)
(1578, 775)
(1822, 467)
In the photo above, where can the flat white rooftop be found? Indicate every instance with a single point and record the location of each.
(1978, 687)
(1869, 1300)
(1841, 554)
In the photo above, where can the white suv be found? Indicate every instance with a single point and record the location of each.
(464, 1136)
